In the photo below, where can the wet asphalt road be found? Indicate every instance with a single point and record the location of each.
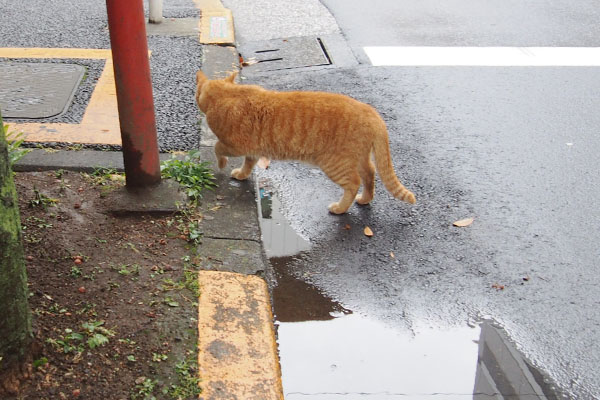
(515, 148)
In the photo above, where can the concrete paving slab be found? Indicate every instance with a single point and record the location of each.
(287, 53)
(229, 210)
(73, 160)
(164, 198)
(175, 27)
(241, 256)
(272, 19)
(237, 351)
(219, 61)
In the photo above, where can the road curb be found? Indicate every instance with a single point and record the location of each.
(216, 23)
(237, 351)
(237, 348)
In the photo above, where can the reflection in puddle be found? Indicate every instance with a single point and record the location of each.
(327, 352)
(354, 356)
(295, 300)
(278, 236)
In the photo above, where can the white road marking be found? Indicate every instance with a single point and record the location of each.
(484, 56)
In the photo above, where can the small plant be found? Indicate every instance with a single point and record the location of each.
(189, 225)
(72, 341)
(39, 222)
(144, 389)
(159, 357)
(75, 272)
(14, 141)
(104, 176)
(188, 383)
(191, 173)
(97, 334)
(41, 200)
(40, 362)
(126, 269)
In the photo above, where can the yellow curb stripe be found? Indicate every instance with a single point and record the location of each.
(237, 351)
(33, 52)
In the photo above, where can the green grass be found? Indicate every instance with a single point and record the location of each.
(14, 141)
(191, 173)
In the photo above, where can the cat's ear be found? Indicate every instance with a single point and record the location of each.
(200, 78)
(231, 78)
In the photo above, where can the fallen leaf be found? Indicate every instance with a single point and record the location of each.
(368, 232)
(140, 380)
(347, 227)
(117, 177)
(263, 162)
(498, 286)
(250, 61)
(81, 289)
(463, 222)
(392, 254)
(215, 208)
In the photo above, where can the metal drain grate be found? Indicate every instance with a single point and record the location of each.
(37, 90)
(278, 54)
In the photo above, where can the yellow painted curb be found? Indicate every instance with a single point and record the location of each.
(237, 351)
(100, 122)
(216, 23)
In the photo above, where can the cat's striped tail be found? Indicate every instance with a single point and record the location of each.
(385, 169)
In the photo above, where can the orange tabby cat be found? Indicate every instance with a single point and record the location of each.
(332, 131)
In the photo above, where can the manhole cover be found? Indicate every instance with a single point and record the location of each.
(287, 53)
(37, 90)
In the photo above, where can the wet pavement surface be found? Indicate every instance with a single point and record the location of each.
(329, 352)
(501, 145)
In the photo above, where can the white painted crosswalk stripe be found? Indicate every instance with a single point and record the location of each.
(484, 56)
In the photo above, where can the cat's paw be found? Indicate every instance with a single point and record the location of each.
(335, 208)
(238, 174)
(363, 200)
(222, 162)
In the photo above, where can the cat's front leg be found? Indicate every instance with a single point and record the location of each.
(245, 170)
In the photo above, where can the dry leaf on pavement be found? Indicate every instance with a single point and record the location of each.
(368, 232)
(463, 222)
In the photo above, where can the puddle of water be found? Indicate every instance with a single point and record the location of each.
(327, 352)
(278, 236)
(354, 356)
(291, 290)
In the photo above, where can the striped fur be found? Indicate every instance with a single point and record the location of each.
(332, 131)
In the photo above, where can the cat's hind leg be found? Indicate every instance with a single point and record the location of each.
(349, 180)
(221, 151)
(245, 170)
(366, 170)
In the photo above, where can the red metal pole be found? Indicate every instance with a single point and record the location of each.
(127, 28)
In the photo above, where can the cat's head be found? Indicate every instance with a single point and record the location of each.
(204, 85)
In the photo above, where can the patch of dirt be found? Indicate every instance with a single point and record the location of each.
(114, 299)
